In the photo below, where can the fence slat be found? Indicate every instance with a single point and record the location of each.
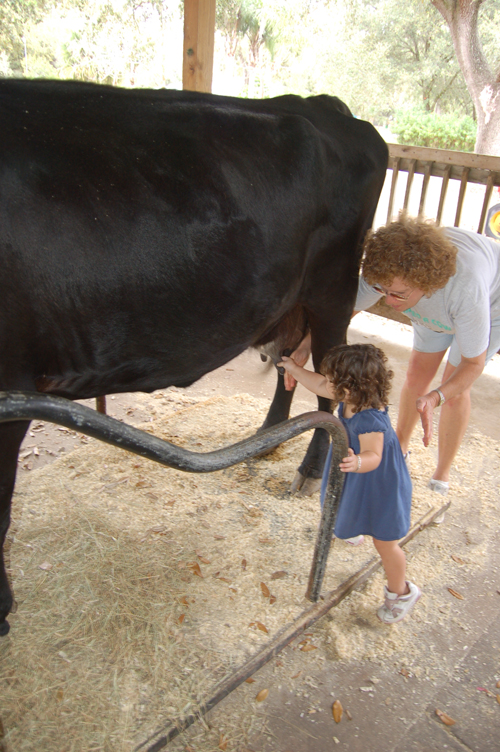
(425, 185)
(409, 182)
(461, 195)
(442, 196)
(487, 196)
(395, 173)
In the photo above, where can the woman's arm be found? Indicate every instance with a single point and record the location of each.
(315, 382)
(462, 378)
(370, 455)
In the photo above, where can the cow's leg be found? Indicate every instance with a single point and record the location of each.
(308, 477)
(11, 436)
(280, 406)
(325, 334)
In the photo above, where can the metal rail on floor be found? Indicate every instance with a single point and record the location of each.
(171, 729)
(15, 406)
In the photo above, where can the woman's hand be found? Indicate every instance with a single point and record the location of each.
(349, 464)
(426, 406)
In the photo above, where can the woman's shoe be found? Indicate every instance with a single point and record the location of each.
(441, 487)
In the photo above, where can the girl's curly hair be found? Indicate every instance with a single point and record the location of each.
(360, 370)
(415, 250)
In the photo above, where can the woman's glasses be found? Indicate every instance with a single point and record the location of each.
(396, 295)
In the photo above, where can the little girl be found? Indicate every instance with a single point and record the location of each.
(376, 498)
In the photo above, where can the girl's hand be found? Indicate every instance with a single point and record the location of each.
(288, 364)
(349, 464)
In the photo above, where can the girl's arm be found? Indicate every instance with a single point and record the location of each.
(313, 381)
(370, 456)
(300, 356)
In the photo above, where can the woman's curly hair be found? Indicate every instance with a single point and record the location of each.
(361, 371)
(415, 250)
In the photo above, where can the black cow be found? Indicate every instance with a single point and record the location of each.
(148, 237)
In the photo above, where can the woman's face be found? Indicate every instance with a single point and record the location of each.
(399, 295)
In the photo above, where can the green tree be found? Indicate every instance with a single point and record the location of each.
(15, 15)
(483, 82)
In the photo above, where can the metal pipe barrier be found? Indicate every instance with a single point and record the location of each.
(15, 406)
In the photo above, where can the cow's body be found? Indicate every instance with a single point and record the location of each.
(148, 237)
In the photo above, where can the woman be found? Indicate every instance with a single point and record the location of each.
(447, 282)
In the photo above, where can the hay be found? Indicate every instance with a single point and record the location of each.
(117, 632)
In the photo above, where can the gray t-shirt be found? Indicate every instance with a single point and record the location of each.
(470, 300)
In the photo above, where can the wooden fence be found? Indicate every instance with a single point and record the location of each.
(468, 169)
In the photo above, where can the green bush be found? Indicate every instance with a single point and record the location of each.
(437, 131)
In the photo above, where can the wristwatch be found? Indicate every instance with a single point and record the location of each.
(442, 398)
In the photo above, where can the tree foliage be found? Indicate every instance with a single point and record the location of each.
(382, 57)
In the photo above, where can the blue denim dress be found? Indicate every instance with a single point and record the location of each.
(377, 503)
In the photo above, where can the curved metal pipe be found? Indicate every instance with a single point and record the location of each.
(16, 406)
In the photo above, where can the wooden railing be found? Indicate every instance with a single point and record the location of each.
(448, 165)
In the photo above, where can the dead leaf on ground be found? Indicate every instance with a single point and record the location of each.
(272, 600)
(181, 618)
(243, 564)
(337, 711)
(457, 559)
(262, 627)
(262, 695)
(498, 684)
(445, 718)
(487, 691)
(220, 537)
(308, 647)
(455, 594)
(223, 740)
(296, 676)
(279, 574)
(498, 699)
(250, 680)
(195, 568)
(223, 579)
(348, 715)
(265, 590)
(202, 558)
(265, 540)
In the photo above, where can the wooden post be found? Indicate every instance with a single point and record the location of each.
(198, 58)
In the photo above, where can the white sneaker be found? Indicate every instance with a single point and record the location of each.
(396, 607)
(441, 487)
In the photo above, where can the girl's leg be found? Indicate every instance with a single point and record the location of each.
(394, 562)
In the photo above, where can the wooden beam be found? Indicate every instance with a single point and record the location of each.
(198, 56)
